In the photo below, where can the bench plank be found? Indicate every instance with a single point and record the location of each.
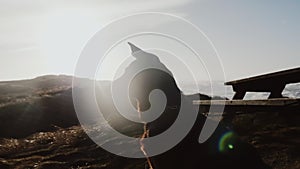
(285, 76)
(269, 102)
(233, 107)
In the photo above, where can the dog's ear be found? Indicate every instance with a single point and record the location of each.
(134, 49)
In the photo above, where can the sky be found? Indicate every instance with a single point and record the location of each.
(47, 37)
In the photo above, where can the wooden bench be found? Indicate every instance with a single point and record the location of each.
(273, 83)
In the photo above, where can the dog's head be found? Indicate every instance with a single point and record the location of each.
(155, 76)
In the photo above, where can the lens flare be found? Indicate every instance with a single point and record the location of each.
(227, 142)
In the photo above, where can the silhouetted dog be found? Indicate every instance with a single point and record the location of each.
(222, 150)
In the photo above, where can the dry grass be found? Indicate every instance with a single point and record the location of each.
(64, 148)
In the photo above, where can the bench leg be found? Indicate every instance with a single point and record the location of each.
(239, 95)
(277, 92)
(275, 95)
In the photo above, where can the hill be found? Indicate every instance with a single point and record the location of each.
(39, 129)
